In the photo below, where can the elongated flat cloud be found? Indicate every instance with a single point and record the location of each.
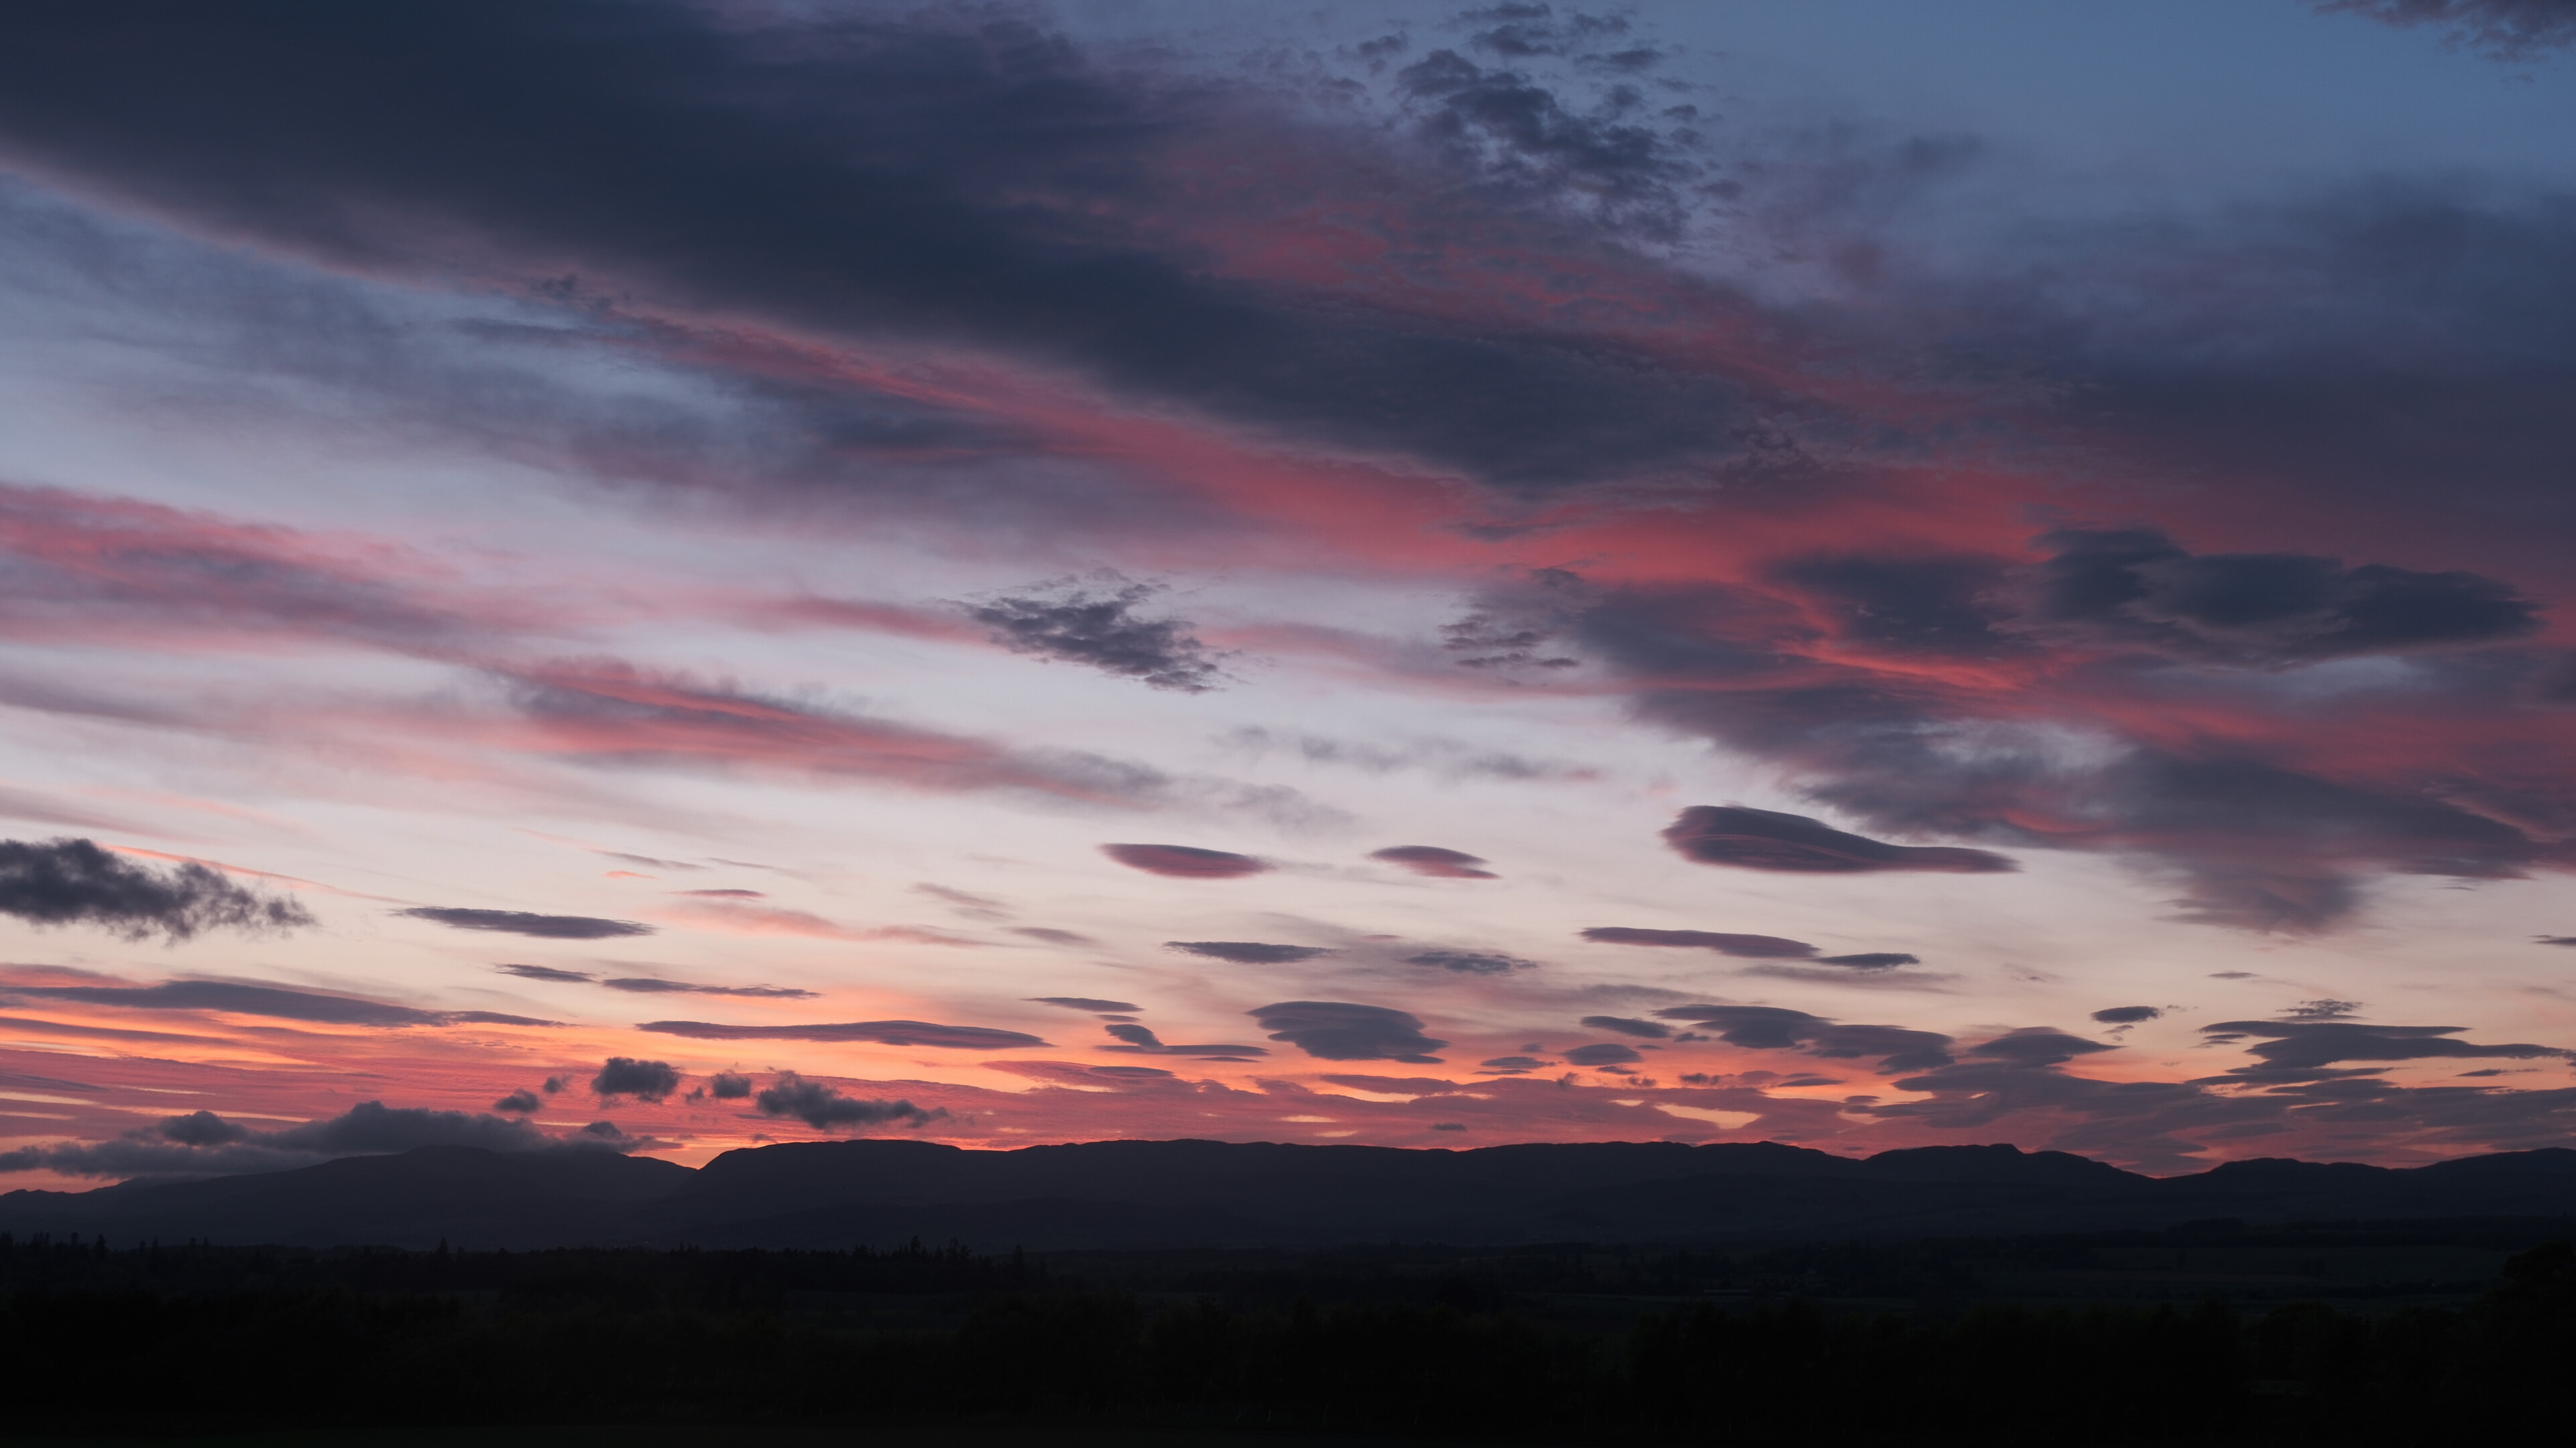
(1761, 839)
(1435, 862)
(275, 1002)
(2127, 1015)
(2504, 30)
(1471, 962)
(1247, 952)
(1751, 947)
(75, 882)
(1607, 1053)
(824, 1108)
(1185, 862)
(884, 1033)
(1093, 620)
(522, 922)
(1343, 1031)
(1627, 1026)
(647, 985)
(1086, 1003)
(546, 973)
(2307, 1044)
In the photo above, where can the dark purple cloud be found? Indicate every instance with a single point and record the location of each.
(1750, 947)
(75, 882)
(546, 973)
(1246, 952)
(1761, 839)
(646, 985)
(884, 1033)
(1608, 1053)
(1185, 862)
(521, 922)
(519, 1102)
(275, 1002)
(2127, 1015)
(1471, 962)
(1137, 1040)
(1871, 960)
(1628, 1027)
(643, 1080)
(1084, 1003)
(2037, 1046)
(1343, 1031)
(824, 1108)
(1775, 1028)
(2305, 1045)
(1434, 861)
(1093, 620)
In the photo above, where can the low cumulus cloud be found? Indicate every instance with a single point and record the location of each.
(519, 1102)
(825, 1109)
(1343, 1031)
(1185, 862)
(522, 922)
(729, 1086)
(1435, 862)
(275, 1002)
(1093, 620)
(76, 882)
(883, 1033)
(203, 1144)
(1247, 952)
(643, 1080)
(1471, 962)
(1761, 839)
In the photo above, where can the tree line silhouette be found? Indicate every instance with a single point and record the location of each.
(207, 1336)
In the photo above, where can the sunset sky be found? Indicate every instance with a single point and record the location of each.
(1851, 572)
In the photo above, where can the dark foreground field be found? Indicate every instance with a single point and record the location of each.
(2374, 1333)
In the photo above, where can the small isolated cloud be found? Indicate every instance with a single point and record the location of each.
(1247, 952)
(1750, 947)
(1448, 1126)
(646, 985)
(2556, 939)
(1084, 1003)
(1871, 960)
(723, 894)
(519, 1102)
(1608, 1053)
(554, 1084)
(1052, 937)
(1511, 1065)
(1185, 862)
(1093, 620)
(1761, 839)
(643, 1080)
(2128, 1015)
(883, 1033)
(522, 922)
(76, 882)
(727, 1086)
(1138, 1040)
(544, 972)
(1471, 962)
(1435, 862)
(1343, 1031)
(1628, 1027)
(826, 1109)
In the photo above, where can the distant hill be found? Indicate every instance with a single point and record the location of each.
(1139, 1194)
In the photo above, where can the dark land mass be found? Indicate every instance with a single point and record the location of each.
(1139, 1195)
